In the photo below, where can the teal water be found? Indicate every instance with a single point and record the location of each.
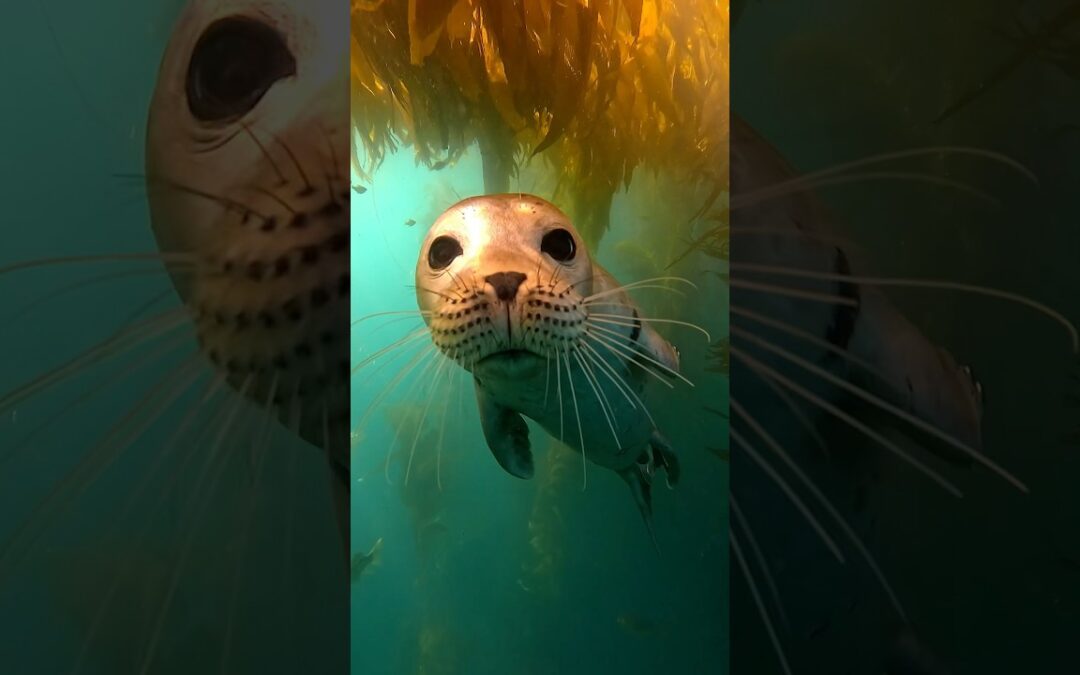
(484, 573)
(233, 573)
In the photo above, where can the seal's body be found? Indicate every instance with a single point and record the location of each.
(510, 294)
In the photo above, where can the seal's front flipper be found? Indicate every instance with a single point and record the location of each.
(507, 435)
(664, 456)
(641, 488)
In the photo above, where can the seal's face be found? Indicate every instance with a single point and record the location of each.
(502, 280)
(247, 151)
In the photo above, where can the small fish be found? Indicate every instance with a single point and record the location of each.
(359, 189)
(362, 561)
(410, 222)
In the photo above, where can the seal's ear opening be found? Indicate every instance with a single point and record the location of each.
(233, 65)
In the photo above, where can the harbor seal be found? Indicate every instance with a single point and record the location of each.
(510, 293)
(246, 158)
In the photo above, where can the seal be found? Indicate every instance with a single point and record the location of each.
(246, 152)
(511, 294)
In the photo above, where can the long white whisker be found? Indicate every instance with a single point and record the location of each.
(602, 318)
(787, 291)
(423, 416)
(762, 611)
(759, 556)
(637, 353)
(651, 283)
(400, 342)
(823, 500)
(624, 354)
(577, 414)
(406, 312)
(605, 406)
(851, 421)
(882, 404)
(789, 492)
(934, 284)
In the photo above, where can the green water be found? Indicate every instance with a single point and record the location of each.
(459, 588)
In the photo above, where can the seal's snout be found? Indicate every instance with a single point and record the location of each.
(506, 284)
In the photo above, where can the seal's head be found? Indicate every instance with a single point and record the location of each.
(502, 280)
(247, 151)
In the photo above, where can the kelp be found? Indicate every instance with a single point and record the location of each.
(596, 88)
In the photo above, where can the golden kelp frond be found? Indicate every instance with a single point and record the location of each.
(599, 87)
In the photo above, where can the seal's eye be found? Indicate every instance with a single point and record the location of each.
(559, 244)
(442, 252)
(233, 65)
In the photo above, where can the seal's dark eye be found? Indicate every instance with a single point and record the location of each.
(233, 65)
(442, 252)
(559, 244)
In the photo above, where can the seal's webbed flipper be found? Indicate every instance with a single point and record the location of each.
(507, 435)
(664, 456)
(638, 480)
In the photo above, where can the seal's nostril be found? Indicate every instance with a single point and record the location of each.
(506, 284)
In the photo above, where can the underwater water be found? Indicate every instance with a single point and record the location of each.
(207, 544)
(481, 572)
(989, 581)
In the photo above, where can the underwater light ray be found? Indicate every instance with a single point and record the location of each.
(822, 500)
(789, 492)
(185, 550)
(933, 284)
(765, 371)
(883, 405)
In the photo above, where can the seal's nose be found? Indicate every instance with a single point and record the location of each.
(506, 284)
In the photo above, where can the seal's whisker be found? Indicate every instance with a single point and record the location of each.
(935, 284)
(601, 397)
(170, 260)
(412, 336)
(594, 357)
(423, 416)
(623, 354)
(808, 181)
(547, 377)
(599, 332)
(883, 405)
(209, 483)
(763, 612)
(248, 518)
(759, 557)
(558, 391)
(789, 492)
(765, 371)
(789, 292)
(430, 359)
(825, 503)
(101, 457)
(898, 176)
(643, 283)
(211, 391)
(452, 376)
(808, 337)
(800, 415)
(615, 318)
(74, 287)
(88, 394)
(577, 414)
(406, 312)
(159, 182)
(119, 342)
